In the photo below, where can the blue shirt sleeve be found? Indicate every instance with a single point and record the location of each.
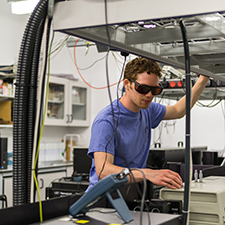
(101, 138)
(157, 113)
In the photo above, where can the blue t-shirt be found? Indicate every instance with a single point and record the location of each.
(131, 139)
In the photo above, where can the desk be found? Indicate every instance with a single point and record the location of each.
(103, 216)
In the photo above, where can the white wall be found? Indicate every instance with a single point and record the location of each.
(12, 28)
(207, 127)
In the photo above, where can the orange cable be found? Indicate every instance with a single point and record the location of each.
(75, 61)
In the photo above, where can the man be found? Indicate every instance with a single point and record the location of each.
(121, 132)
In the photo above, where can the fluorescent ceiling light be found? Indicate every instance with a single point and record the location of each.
(149, 26)
(23, 7)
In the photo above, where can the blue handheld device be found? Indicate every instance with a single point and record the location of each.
(101, 189)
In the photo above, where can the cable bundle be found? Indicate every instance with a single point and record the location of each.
(24, 112)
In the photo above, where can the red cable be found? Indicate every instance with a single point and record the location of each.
(75, 61)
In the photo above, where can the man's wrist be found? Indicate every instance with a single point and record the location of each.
(203, 79)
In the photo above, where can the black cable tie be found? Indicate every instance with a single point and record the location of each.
(125, 54)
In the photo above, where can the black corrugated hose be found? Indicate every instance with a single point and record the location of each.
(32, 104)
(188, 118)
(25, 103)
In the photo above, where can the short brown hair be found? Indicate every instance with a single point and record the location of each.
(141, 65)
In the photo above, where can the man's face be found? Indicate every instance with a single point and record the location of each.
(142, 101)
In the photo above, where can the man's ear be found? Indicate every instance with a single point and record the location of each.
(126, 84)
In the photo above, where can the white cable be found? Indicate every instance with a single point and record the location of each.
(59, 43)
(38, 107)
(88, 67)
(116, 61)
(58, 46)
(223, 112)
(223, 109)
(58, 50)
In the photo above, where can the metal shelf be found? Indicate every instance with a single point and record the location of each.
(5, 126)
(208, 93)
(162, 42)
(4, 97)
(151, 30)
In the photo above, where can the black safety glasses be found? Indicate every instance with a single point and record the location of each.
(144, 89)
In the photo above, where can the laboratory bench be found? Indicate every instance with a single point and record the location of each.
(106, 216)
(56, 211)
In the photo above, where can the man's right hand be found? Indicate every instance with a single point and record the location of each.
(164, 177)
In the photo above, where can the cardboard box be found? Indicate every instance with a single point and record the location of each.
(6, 112)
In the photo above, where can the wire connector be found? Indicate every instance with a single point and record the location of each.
(123, 174)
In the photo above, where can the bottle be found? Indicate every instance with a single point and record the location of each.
(196, 176)
(200, 176)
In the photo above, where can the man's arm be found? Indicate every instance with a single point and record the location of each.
(165, 177)
(178, 110)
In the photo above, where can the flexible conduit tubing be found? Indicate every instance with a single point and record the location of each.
(33, 116)
(32, 104)
(21, 139)
(33, 101)
(188, 119)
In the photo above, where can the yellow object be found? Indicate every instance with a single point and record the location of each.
(69, 149)
(114, 224)
(5, 112)
(82, 221)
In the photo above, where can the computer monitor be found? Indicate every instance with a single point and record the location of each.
(214, 171)
(81, 161)
(159, 157)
